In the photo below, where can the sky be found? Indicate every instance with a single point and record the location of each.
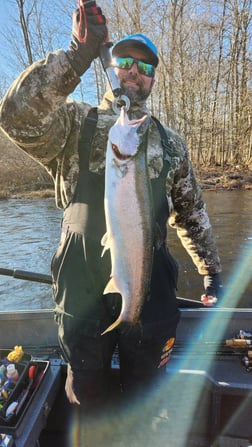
(4, 19)
(8, 13)
(8, 68)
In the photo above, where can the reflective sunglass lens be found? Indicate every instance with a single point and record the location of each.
(126, 63)
(145, 69)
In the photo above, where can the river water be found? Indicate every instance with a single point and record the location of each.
(30, 230)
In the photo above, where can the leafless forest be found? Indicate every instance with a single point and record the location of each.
(203, 82)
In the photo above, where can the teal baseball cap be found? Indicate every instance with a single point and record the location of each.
(139, 42)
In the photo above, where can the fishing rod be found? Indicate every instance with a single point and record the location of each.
(28, 276)
(47, 279)
(106, 60)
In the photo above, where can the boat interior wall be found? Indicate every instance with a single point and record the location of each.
(28, 328)
(201, 363)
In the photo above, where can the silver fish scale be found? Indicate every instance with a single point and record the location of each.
(130, 227)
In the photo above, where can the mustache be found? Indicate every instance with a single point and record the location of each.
(132, 77)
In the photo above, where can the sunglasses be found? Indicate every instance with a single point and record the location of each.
(126, 63)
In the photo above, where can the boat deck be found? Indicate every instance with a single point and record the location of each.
(206, 396)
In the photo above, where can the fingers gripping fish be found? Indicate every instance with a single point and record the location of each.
(129, 215)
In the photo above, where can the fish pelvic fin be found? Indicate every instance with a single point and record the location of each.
(113, 325)
(111, 287)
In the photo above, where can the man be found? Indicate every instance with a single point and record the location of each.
(39, 118)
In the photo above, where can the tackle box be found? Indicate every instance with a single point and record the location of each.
(24, 413)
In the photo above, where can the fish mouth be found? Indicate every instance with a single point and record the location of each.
(118, 154)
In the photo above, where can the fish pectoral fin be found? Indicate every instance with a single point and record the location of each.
(104, 239)
(111, 287)
(105, 243)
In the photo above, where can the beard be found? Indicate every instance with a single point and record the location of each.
(137, 93)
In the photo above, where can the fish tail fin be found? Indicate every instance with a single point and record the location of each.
(113, 325)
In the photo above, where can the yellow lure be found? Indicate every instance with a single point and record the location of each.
(16, 355)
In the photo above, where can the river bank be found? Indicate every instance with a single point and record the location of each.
(32, 186)
(227, 178)
(22, 177)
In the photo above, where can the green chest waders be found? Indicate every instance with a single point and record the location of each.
(80, 274)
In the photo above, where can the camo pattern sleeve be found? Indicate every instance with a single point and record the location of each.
(37, 115)
(189, 216)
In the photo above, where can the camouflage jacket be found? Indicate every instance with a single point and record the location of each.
(38, 116)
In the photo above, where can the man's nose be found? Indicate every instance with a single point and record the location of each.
(133, 69)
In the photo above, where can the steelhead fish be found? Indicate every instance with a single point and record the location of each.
(129, 215)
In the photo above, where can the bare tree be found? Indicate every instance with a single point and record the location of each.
(24, 22)
(203, 82)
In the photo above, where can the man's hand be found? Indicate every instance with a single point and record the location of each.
(208, 301)
(82, 52)
(213, 290)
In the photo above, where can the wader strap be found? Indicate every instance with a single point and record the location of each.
(166, 147)
(87, 132)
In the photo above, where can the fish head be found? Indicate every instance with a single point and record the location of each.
(126, 136)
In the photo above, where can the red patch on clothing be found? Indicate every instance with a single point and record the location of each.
(166, 352)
